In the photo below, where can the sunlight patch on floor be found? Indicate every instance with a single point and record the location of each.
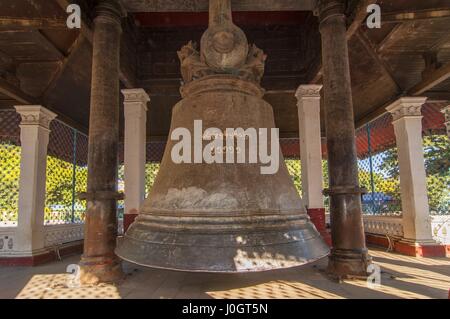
(56, 287)
(275, 290)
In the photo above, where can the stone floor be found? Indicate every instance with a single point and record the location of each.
(402, 277)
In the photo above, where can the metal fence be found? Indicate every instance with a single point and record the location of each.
(66, 175)
(379, 169)
(9, 167)
(66, 172)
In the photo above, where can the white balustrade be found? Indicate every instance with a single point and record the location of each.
(383, 225)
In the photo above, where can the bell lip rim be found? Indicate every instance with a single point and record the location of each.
(225, 213)
(230, 272)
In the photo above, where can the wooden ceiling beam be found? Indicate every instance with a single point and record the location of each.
(15, 93)
(127, 79)
(359, 16)
(432, 80)
(20, 98)
(202, 5)
(415, 15)
(63, 65)
(372, 51)
(32, 23)
(421, 89)
(6, 104)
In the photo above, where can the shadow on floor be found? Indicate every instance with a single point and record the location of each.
(402, 277)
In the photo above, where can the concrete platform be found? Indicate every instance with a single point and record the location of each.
(402, 277)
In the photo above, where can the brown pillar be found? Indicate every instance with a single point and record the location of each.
(349, 256)
(99, 263)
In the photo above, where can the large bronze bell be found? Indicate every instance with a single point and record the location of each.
(222, 217)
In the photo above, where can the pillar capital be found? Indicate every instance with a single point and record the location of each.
(308, 91)
(328, 8)
(135, 96)
(406, 107)
(35, 115)
(111, 10)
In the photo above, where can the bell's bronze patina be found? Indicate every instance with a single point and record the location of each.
(222, 217)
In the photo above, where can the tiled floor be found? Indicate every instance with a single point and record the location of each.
(402, 277)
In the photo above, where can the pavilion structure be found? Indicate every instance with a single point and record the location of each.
(327, 75)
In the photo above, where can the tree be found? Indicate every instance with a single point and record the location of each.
(437, 165)
(59, 187)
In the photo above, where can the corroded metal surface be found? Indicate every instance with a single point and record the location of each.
(222, 217)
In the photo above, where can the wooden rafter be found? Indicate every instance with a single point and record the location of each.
(127, 79)
(15, 93)
(359, 17)
(202, 5)
(63, 65)
(371, 49)
(432, 80)
(35, 23)
(396, 17)
(421, 88)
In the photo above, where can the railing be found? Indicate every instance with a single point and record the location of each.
(54, 235)
(7, 239)
(440, 227)
(383, 225)
(62, 234)
(392, 225)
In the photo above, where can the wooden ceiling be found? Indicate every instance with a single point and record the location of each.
(42, 62)
(202, 5)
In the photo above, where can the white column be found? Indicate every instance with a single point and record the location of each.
(308, 97)
(135, 108)
(446, 111)
(407, 121)
(34, 137)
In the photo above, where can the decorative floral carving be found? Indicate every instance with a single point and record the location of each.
(135, 95)
(413, 110)
(6, 242)
(194, 67)
(407, 106)
(59, 234)
(308, 91)
(383, 225)
(253, 69)
(35, 115)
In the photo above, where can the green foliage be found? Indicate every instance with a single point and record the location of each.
(437, 164)
(59, 188)
(295, 171)
(58, 194)
(9, 181)
(151, 170)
